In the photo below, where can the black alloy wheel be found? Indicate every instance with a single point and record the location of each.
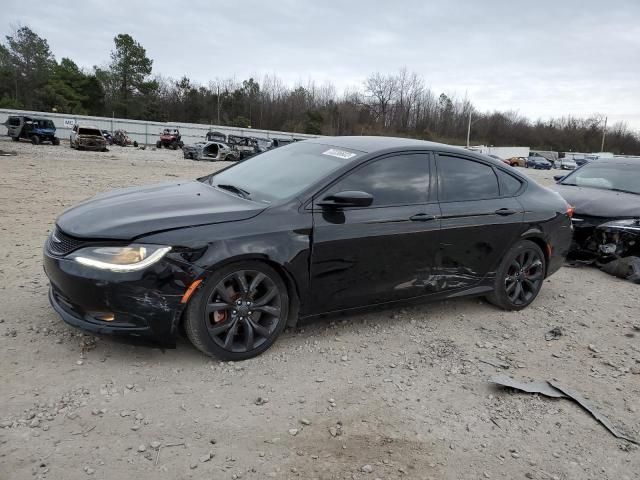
(519, 277)
(524, 277)
(239, 312)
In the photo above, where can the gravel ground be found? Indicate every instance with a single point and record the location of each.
(390, 394)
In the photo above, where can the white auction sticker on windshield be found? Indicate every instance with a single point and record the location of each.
(334, 152)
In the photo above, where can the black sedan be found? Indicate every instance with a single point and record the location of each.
(605, 195)
(315, 227)
(538, 163)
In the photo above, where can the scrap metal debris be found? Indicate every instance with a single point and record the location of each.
(7, 154)
(557, 390)
(627, 268)
(553, 334)
(534, 387)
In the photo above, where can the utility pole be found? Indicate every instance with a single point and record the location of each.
(469, 129)
(604, 133)
(218, 104)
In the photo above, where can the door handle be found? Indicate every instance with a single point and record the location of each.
(422, 217)
(505, 211)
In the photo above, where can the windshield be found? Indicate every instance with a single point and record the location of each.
(284, 172)
(89, 131)
(607, 176)
(45, 123)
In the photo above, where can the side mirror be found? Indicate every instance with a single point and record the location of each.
(346, 199)
(558, 178)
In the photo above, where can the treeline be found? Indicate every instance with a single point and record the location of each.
(390, 104)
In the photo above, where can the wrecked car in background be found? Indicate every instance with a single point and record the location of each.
(121, 138)
(213, 136)
(37, 130)
(245, 146)
(605, 196)
(85, 137)
(210, 152)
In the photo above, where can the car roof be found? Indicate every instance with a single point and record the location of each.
(93, 127)
(616, 161)
(371, 144)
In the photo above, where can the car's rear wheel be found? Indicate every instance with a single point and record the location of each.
(238, 312)
(15, 139)
(519, 277)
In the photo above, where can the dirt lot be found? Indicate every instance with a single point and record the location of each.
(391, 394)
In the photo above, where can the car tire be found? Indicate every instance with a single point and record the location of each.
(15, 139)
(158, 144)
(219, 326)
(55, 141)
(35, 139)
(519, 277)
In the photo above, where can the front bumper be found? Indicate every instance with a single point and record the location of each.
(143, 304)
(92, 145)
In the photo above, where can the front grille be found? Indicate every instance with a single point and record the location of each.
(61, 244)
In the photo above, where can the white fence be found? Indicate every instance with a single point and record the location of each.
(144, 132)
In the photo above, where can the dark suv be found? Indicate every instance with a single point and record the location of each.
(37, 130)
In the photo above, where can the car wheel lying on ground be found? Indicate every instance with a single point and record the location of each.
(312, 228)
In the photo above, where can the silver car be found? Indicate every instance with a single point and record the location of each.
(210, 152)
(565, 164)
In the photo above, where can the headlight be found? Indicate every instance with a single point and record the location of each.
(120, 259)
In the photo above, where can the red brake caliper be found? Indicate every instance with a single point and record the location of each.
(222, 315)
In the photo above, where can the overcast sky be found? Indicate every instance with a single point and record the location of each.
(541, 58)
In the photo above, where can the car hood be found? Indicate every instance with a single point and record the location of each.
(128, 213)
(597, 202)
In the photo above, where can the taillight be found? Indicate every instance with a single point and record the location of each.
(570, 210)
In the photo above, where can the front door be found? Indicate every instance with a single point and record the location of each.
(383, 252)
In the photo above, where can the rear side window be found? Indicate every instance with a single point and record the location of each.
(396, 180)
(14, 121)
(508, 183)
(461, 179)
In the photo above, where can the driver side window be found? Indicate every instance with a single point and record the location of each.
(396, 180)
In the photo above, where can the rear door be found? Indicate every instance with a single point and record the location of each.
(481, 219)
(383, 252)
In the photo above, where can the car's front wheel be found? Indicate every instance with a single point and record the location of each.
(519, 277)
(238, 312)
